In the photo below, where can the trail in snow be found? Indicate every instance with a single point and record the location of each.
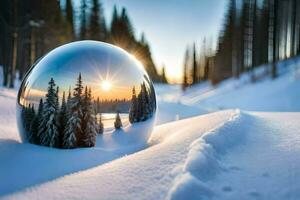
(267, 164)
(222, 155)
(147, 174)
(252, 157)
(229, 155)
(26, 165)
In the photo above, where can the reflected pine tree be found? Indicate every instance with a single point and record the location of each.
(73, 123)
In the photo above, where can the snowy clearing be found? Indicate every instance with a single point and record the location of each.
(228, 154)
(208, 160)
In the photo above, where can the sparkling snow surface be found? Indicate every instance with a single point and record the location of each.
(230, 154)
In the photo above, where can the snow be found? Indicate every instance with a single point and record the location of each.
(264, 95)
(236, 140)
(147, 174)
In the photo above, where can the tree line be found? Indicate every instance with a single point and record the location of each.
(31, 28)
(254, 33)
(73, 123)
(69, 125)
(143, 105)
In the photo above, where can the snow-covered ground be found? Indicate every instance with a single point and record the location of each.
(235, 153)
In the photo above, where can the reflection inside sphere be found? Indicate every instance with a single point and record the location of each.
(81, 90)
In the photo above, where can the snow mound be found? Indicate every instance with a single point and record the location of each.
(202, 161)
(188, 187)
(147, 174)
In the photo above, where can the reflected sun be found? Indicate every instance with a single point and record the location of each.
(106, 85)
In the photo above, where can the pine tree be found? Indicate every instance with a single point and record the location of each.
(30, 115)
(73, 130)
(143, 103)
(98, 105)
(195, 71)
(70, 15)
(23, 113)
(275, 38)
(83, 23)
(34, 136)
(27, 118)
(101, 126)
(140, 108)
(133, 108)
(163, 75)
(69, 98)
(122, 33)
(57, 99)
(151, 95)
(48, 129)
(62, 119)
(114, 26)
(185, 70)
(146, 102)
(118, 122)
(88, 121)
(97, 27)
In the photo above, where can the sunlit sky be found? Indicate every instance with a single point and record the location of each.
(108, 71)
(171, 25)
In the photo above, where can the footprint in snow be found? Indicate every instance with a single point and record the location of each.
(227, 189)
(234, 168)
(255, 194)
(266, 174)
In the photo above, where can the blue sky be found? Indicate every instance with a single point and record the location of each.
(170, 25)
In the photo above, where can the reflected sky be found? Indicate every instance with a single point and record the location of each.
(98, 64)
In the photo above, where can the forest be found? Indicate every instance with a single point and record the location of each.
(254, 33)
(31, 28)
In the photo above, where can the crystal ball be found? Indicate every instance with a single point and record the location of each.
(86, 94)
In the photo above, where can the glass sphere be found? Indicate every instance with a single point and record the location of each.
(86, 94)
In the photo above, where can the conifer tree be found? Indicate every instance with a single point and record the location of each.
(73, 130)
(30, 115)
(62, 119)
(83, 23)
(146, 102)
(121, 32)
(151, 95)
(143, 103)
(70, 15)
(140, 109)
(101, 126)
(34, 136)
(88, 121)
(23, 115)
(48, 129)
(133, 108)
(163, 75)
(195, 71)
(69, 98)
(97, 27)
(185, 70)
(118, 122)
(57, 99)
(27, 118)
(98, 105)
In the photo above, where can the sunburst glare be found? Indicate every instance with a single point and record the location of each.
(106, 85)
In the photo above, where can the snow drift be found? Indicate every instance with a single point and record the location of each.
(202, 160)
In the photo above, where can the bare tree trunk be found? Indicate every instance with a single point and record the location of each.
(294, 24)
(275, 43)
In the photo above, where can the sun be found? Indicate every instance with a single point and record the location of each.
(106, 85)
